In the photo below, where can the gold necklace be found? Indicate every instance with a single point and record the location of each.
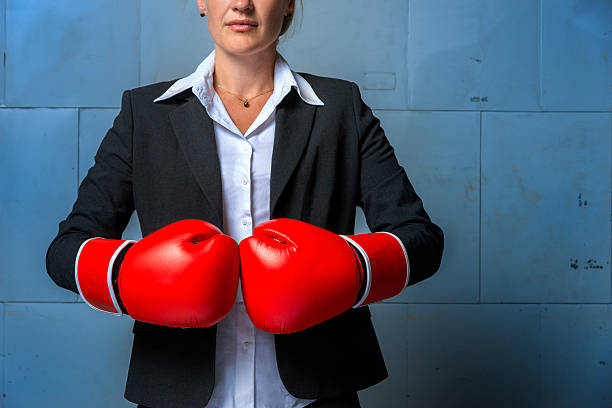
(245, 100)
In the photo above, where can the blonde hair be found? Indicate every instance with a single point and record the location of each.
(288, 19)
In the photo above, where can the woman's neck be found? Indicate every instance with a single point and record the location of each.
(245, 75)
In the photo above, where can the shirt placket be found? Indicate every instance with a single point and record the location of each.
(245, 339)
(245, 360)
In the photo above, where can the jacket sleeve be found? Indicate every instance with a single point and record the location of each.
(388, 199)
(104, 202)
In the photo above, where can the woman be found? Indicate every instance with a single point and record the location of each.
(280, 320)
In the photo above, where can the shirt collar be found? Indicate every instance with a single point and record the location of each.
(201, 82)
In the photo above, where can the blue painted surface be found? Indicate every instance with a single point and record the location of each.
(177, 30)
(546, 207)
(2, 49)
(575, 355)
(576, 55)
(464, 92)
(70, 53)
(65, 355)
(458, 356)
(37, 183)
(489, 355)
(361, 41)
(476, 54)
(2, 355)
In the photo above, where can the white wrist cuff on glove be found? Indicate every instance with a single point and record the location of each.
(109, 276)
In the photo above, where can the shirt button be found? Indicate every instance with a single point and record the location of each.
(247, 343)
(245, 182)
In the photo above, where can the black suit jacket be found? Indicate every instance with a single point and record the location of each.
(160, 159)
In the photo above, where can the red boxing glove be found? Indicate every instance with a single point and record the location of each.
(296, 275)
(182, 275)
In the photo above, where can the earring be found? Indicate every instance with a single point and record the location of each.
(202, 15)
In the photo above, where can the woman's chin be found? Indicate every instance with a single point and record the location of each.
(244, 47)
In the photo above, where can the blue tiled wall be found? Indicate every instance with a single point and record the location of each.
(500, 112)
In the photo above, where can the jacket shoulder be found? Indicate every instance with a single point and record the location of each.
(324, 81)
(147, 93)
(332, 91)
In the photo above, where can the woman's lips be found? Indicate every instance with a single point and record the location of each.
(241, 27)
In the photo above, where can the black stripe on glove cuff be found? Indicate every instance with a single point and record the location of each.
(363, 268)
(116, 267)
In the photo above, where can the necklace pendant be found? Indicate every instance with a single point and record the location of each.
(246, 104)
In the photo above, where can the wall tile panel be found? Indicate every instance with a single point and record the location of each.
(38, 161)
(82, 362)
(475, 54)
(491, 361)
(71, 53)
(576, 53)
(546, 207)
(175, 39)
(356, 40)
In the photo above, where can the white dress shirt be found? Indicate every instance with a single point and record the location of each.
(246, 374)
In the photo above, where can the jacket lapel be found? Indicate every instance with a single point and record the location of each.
(294, 119)
(195, 132)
